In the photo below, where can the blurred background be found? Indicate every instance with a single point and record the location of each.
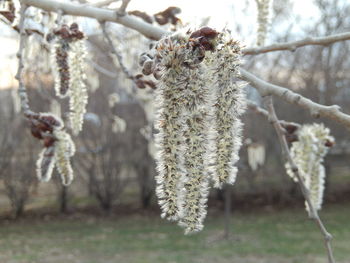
(110, 213)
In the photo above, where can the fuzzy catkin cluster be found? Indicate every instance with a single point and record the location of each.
(58, 147)
(68, 53)
(263, 7)
(170, 123)
(308, 153)
(190, 89)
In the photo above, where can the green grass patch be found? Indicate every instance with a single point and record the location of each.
(285, 236)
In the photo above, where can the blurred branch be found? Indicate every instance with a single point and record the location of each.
(285, 149)
(116, 53)
(122, 8)
(316, 110)
(22, 92)
(100, 14)
(102, 69)
(292, 46)
(262, 112)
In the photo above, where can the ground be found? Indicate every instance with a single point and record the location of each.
(285, 236)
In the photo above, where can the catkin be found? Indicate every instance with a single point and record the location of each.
(199, 106)
(263, 7)
(78, 96)
(229, 105)
(308, 153)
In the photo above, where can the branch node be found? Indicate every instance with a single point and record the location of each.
(328, 237)
(315, 114)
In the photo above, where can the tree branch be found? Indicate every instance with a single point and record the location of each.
(100, 14)
(292, 46)
(22, 92)
(285, 149)
(262, 112)
(122, 8)
(116, 53)
(316, 110)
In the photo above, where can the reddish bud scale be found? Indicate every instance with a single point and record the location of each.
(63, 68)
(41, 124)
(69, 34)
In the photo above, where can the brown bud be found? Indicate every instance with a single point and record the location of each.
(157, 74)
(205, 32)
(140, 84)
(291, 138)
(290, 127)
(147, 18)
(35, 131)
(168, 16)
(147, 67)
(74, 26)
(49, 141)
(150, 84)
(50, 120)
(329, 143)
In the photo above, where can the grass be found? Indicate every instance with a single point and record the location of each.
(261, 237)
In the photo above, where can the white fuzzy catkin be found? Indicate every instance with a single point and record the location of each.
(64, 150)
(199, 107)
(78, 95)
(169, 140)
(256, 155)
(196, 181)
(45, 164)
(229, 104)
(263, 7)
(308, 153)
(195, 184)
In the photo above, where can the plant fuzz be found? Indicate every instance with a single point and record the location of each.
(188, 92)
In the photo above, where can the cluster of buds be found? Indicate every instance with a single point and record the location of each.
(68, 52)
(58, 147)
(308, 151)
(197, 90)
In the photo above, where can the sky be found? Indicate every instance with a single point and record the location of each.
(222, 13)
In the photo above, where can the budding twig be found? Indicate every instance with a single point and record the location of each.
(292, 46)
(252, 106)
(122, 8)
(316, 110)
(285, 149)
(22, 92)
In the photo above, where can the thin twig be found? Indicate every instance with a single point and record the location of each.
(317, 110)
(252, 106)
(292, 46)
(122, 8)
(285, 149)
(59, 17)
(116, 53)
(22, 92)
(102, 70)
